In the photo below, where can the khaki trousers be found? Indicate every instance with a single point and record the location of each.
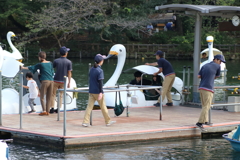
(206, 100)
(57, 86)
(167, 86)
(91, 100)
(46, 89)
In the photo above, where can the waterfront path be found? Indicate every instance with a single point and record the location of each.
(142, 124)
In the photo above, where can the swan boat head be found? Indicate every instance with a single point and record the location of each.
(117, 50)
(10, 62)
(120, 51)
(15, 52)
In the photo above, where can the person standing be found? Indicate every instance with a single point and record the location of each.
(63, 67)
(33, 90)
(208, 73)
(46, 79)
(96, 77)
(166, 68)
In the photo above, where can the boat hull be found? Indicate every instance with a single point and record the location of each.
(235, 144)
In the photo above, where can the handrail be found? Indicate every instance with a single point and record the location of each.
(220, 104)
(20, 97)
(106, 90)
(0, 98)
(225, 87)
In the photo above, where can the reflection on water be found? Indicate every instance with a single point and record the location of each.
(183, 149)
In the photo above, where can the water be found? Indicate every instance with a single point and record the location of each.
(167, 150)
(182, 149)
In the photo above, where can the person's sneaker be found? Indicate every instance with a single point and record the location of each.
(86, 125)
(34, 104)
(44, 114)
(31, 111)
(169, 104)
(200, 126)
(56, 110)
(110, 123)
(51, 111)
(157, 104)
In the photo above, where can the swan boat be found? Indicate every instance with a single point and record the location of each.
(9, 65)
(4, 150)
(120, 51)
(210, 53)
(10, 100)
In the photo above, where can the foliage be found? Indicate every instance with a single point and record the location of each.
(60, 22)
(109, 20)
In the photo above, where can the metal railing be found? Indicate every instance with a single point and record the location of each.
(80, 90)
(106, 90)
(220, 104)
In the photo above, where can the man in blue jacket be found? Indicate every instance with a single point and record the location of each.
(166, 68)
(208, 73)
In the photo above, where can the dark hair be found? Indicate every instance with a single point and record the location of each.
(42, 55)
(158, 80)
(29, 75)
(95, 65)
(137, 74)
(204, 53)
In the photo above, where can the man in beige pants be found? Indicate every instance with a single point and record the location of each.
(208, 73)
(166, 68)
(63, 67)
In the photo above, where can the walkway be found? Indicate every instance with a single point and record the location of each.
(143, 124)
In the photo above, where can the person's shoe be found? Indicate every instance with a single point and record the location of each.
(110, 123)
(86, 125)
(51, 111)
(34, 104)
(169, 104)
(31, 111)
(44, 114)
(157, 104)
(56, 110)
(200, 126)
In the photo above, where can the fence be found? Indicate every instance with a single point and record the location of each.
(88, 50)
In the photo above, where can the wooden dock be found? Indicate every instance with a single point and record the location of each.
(142, 124)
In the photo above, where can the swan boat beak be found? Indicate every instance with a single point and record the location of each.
(20, 60)
(111, 53)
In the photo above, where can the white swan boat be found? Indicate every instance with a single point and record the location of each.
(4, 150)
(120, 51)
(210, 53)
(9, 65)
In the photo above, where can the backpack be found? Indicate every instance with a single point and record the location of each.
(118, 109)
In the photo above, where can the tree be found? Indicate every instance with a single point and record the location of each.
(64, 18)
